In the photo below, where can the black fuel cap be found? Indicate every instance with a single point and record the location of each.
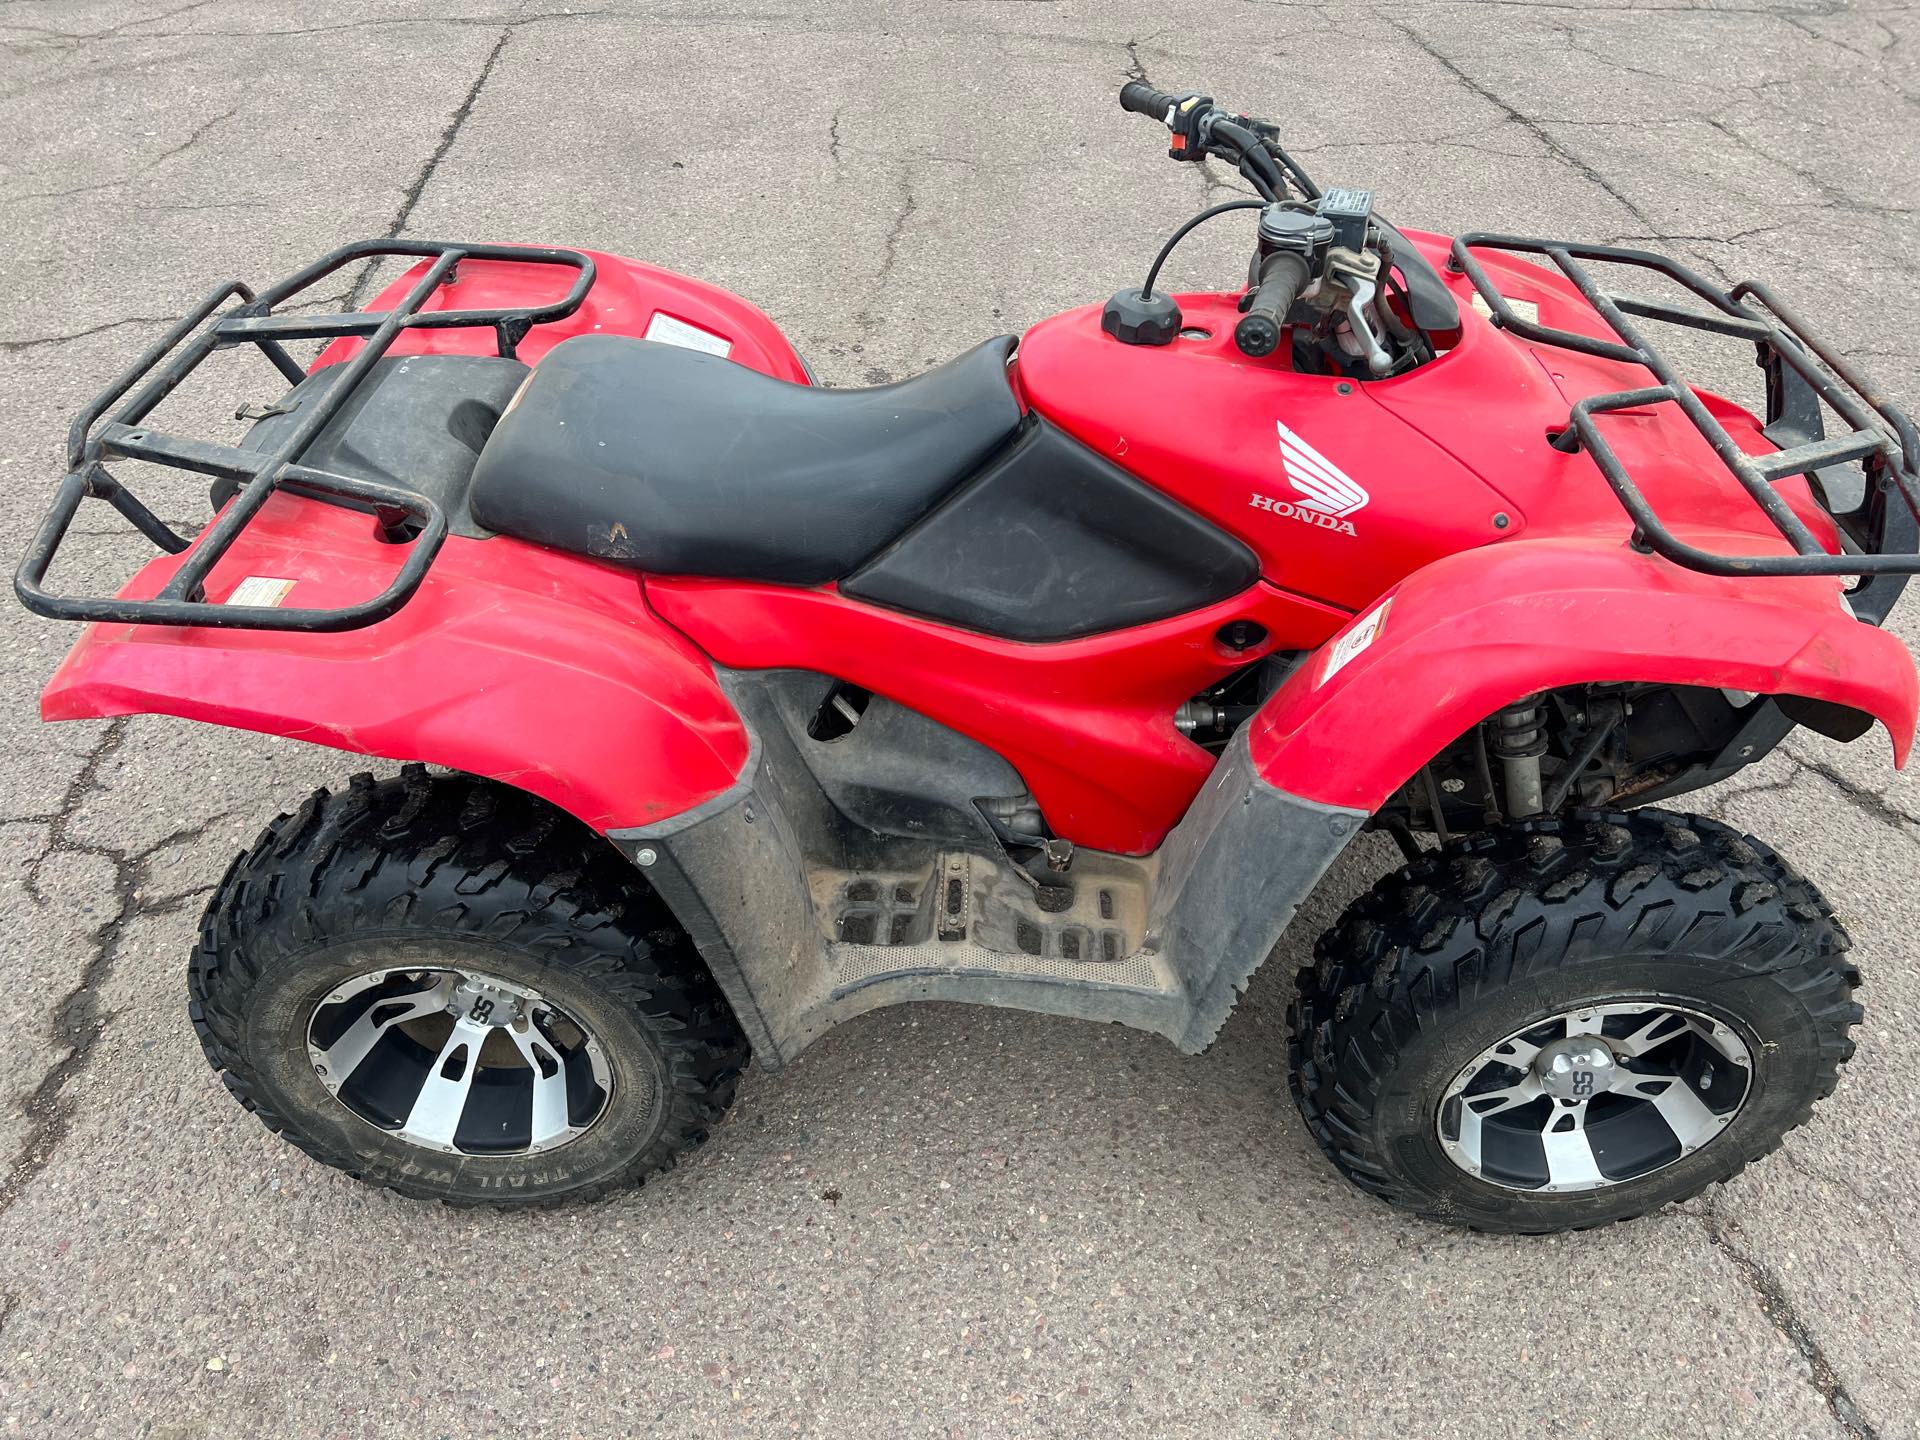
(1134, 319)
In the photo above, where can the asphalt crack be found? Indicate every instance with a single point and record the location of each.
(1874, 804)
(12, 347)
(60, 40)
(193, 138)
(1787, 1156)
(1771, 1296)
(1799, 23)
(72, 40)
(1730, 239)
(867, 322)
(1464, 140)
(1556, 148)
(1878, 806)
(78, 1022)
(440, 151)
(890, 256)
(450, 134)
(60, 819)
(145, 63)
(1830, 195)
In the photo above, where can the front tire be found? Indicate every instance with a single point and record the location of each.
(447, 987)
(1564, 1023)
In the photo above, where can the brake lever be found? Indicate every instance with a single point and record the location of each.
(1360, 293)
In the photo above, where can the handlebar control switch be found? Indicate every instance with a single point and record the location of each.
(1189, 120)
(1188, 115)
(1136, 319)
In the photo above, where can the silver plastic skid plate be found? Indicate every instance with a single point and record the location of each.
(801, 937)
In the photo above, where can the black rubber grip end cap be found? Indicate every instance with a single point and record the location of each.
(1256, 335)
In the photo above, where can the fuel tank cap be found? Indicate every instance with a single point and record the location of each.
(1136, 319)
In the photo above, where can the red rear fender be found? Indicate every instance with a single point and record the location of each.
(1474, 632)
(516, 663)
(629, 297)
(528, 666)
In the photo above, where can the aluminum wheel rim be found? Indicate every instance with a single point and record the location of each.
(459, 1061)
(1595, 1096)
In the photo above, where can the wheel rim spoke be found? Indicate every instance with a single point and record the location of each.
(1516, 1051)
(1648, 1087)
(343, 1057)
(1522, 1093)
(1687, 1115)
(1475, 1109)
(1569, 1149)
(1595, 1095)
(543, 1058)
(435, 1116)
(1666, 1026)
(414, 1042)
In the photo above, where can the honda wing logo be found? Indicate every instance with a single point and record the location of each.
(1328, 495)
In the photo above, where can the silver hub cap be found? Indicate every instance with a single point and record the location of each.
(1574, 1068)
(1595, 1096)
(459, 1061)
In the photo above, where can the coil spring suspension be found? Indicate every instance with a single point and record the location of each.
(1520, 739)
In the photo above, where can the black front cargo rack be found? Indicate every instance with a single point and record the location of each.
(98, 436)
(1881, 535)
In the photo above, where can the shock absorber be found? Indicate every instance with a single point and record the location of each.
(1520, 739)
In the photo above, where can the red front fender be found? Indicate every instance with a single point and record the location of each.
(520, 664)
(1476, 631)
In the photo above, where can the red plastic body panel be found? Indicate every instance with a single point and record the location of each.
(625, 298)
(1475, 632)
(1198, 420)
(1088, 723)
(586, 685)
(512, 662)
(529, 666)
(1439, 452)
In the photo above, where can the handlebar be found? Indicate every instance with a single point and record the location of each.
(1283, 275)
(1201, 128)
(1142, 99)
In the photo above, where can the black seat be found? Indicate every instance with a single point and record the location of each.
(683, 463)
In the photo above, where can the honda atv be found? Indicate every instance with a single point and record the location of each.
(1054, 678)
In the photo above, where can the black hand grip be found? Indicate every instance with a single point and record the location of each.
(1142, 99)
(1283, 275)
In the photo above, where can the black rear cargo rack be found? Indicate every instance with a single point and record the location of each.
(1881, 535)
(98, 436)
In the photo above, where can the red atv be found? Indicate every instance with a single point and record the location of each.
(1054, 678)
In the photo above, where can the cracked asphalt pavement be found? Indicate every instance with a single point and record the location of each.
(942, 1221)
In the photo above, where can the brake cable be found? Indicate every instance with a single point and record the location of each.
(1153, 271)
(1269, 137)
(1259, 167)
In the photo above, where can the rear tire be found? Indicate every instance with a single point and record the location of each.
(425, 881)
(1581, 923)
